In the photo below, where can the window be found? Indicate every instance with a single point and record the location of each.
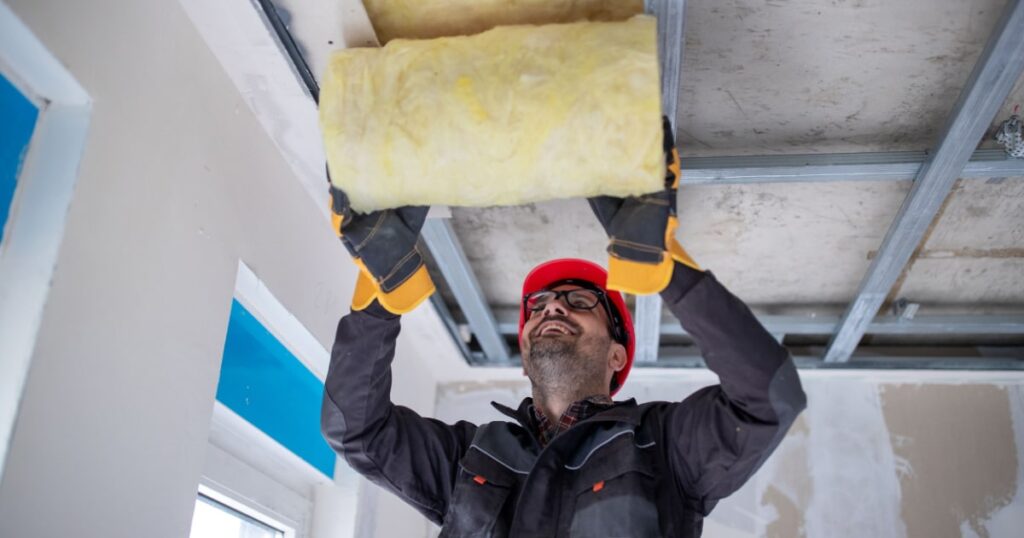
(265, 451)
(267, 385)
(217, 516)
(15, 132)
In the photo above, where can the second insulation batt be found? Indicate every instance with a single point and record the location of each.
(420, 19)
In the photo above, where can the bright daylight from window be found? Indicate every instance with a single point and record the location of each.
(214, 520)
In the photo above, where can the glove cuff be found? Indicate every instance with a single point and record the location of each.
(639, 278)
(675, 250)
(402, 299)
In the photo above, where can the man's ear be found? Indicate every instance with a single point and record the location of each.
(617, 356)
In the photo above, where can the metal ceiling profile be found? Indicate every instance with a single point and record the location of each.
(997, 69)
(451, 260)
(817, 168)
(671, 22)
(508, 324)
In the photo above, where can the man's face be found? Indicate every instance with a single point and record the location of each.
(566, 347)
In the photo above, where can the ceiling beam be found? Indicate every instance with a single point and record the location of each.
(819, 168)
(451, 260)
(921, 325)
(946, 325)
(670, 15)
(874, 363)
(994, 75)
(879, 362)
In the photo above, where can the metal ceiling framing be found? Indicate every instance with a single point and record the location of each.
(960, 325)
(993, 76)
(818, 168)
(988, 86)
(451, 260)
(671, 22)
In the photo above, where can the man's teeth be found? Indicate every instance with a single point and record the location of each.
(554, 328)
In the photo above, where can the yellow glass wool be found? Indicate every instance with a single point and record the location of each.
(418, 19)
(513, 115)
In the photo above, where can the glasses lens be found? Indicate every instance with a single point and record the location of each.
(537, 300)
(585, 299)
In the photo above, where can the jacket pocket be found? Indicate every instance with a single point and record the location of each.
(616, 496)
(482, 488)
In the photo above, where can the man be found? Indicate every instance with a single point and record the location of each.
(572, 462)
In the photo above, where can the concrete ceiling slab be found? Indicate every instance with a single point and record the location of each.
(981, 216)
(974, 254)
(847, 76)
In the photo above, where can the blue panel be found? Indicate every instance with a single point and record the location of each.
(267, 386)
(17, 120)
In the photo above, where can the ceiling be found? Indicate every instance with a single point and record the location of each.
(785, 78)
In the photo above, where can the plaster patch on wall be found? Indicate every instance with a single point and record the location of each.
(788, 484)
(1008, 520)
(960, 453)
(851, 463)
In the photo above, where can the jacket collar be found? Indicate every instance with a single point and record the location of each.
(624, 411)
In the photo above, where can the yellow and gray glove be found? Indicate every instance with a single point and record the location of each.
(641, 230)
(383, 245)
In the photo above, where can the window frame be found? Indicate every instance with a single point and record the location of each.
(246, 508)
(249, 467)
(38, 212)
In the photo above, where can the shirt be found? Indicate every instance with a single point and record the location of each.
(546, 430)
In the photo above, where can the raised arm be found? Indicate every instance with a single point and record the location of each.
(414, 457)
(720, 435)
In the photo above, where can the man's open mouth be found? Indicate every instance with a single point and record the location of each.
(554, 328)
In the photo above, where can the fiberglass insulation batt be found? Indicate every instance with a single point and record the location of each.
(436, 18)
(516, 114)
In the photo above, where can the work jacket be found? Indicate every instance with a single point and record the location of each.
(651, 469)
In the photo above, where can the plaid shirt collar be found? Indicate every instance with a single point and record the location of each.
(580, 410)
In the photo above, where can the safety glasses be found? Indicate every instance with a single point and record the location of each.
(576, 299)
(585, 297)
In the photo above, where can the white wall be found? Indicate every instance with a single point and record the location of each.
(178, 182)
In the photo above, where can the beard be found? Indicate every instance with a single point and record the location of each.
(569, 365)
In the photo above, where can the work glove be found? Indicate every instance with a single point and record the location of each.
(641, 229)
(383, 245)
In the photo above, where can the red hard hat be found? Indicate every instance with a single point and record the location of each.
(554, 271)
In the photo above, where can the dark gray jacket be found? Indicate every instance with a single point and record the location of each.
(653, 469)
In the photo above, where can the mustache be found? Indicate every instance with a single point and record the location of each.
(555, 317)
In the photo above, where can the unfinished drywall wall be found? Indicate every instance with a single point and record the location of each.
(178, 182)
(887, 455)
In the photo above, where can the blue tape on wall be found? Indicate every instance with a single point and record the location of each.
(267, 386)
(17, 121)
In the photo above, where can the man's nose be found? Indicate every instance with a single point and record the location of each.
(555, 307)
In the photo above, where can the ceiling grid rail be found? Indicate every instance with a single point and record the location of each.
(451, 260)
(947, 325)
(820, 168)
(671, 22)
(988, 86)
